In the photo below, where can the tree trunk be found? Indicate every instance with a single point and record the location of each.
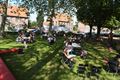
(110, 37)
(29, 24)
(52, 12)
(51, 20)
(40, 18)
(90, 31)
(98, 32)
(4, 17)
(41, 24)
(2, 27)
(51, 23)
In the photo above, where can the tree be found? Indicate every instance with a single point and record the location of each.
(33, 24)
(48, 7)
(97, 11)
(85, 14)
(4, 6)
(4, 16)
(29, 24)
(112, 23)
(40, 19)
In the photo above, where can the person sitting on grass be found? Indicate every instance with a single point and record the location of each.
(68, 51)
(32, 36)
(111, 65)
(83, 53)
(117, 56)
(110, 47)
(80, 52)
(51, 39)
(54, 34)
(27, 36)
(66, 42)
(65, 37)
(74, 38)
(23, 37)
(20, 37)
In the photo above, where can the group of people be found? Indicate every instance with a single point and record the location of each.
(113, 65)
(51, 38)
(73, 48)
(25, 37)
(70, 52)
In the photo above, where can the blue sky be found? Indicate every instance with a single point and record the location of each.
(33, 17)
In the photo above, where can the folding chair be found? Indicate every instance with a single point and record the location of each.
(81, 69)
(67, 61)
(64, 59)
(95, 70)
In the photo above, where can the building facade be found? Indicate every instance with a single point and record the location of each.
(86, 29)
(17, 18)
(83, 28)
(60, 19)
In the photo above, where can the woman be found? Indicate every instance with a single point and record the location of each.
(68, 51)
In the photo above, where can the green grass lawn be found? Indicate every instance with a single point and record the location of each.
(42, 61)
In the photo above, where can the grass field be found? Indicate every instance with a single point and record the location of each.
(42, 61)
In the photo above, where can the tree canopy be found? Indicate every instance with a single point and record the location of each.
(48, 7)
(112, 22)
(97, 12)
(4, 17)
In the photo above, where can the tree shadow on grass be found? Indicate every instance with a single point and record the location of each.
(5, 42)
(58, 73)
(51, 69)
(97, 52)
(16, 63)
(116, 46)
(41, 63)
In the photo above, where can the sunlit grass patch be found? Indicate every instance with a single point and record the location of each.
(42, 61)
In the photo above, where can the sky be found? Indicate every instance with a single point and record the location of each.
(33, 17)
